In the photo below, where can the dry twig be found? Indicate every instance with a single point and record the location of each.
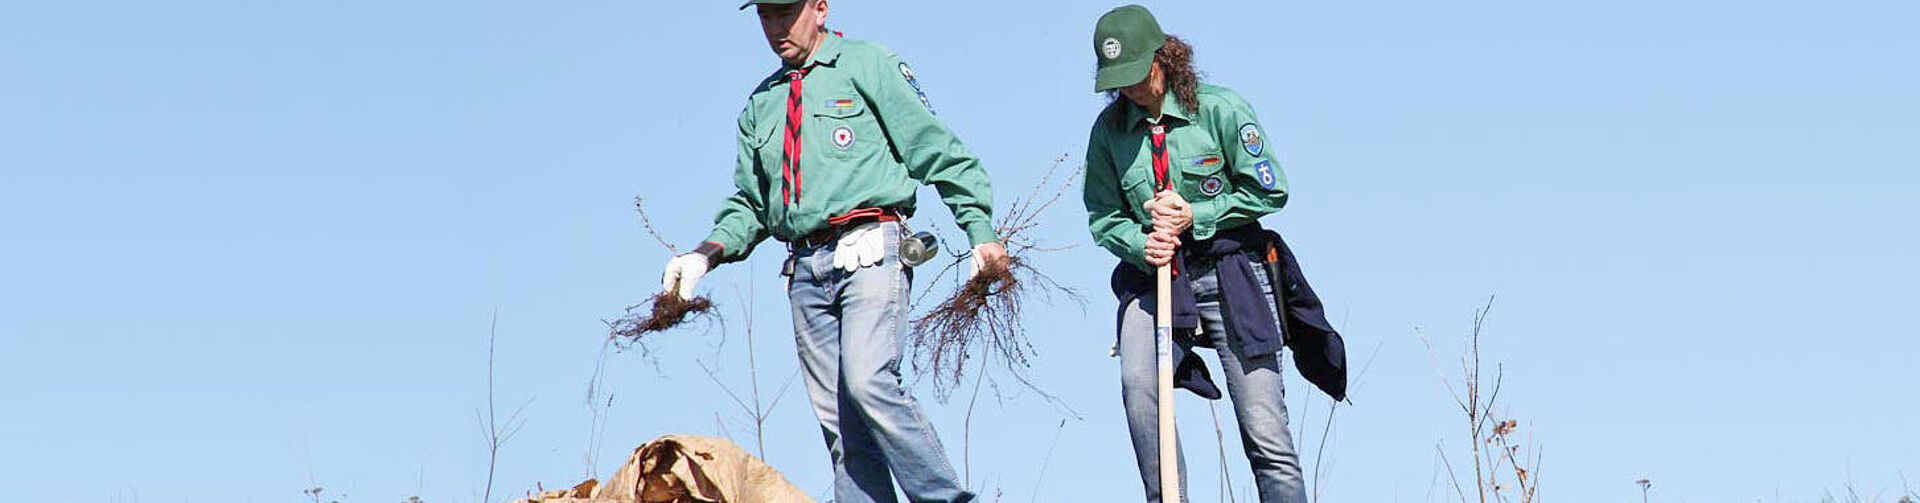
(497, 434)
(1490, 438)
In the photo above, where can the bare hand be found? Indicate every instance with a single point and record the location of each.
(1171, 213)
(1160, 247)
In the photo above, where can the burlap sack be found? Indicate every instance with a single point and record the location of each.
(685, 469)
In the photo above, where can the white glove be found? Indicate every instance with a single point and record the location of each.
(982, 252)
(860, 246)
(684, 270)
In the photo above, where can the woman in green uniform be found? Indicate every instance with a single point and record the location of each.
(1179, 173)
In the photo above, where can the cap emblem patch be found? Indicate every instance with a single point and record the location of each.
(1110, 48)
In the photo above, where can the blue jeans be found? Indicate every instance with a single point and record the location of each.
(1253, 382)
(847, 326)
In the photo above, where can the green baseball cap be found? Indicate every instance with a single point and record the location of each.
(1123, 43)
(750, 3)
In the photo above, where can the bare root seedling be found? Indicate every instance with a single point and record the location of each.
(664, 311)
(984, 313)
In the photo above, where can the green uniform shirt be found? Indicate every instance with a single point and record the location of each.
(869, 139)
(1219, 161)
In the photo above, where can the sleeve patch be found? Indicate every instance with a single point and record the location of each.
(1252, 141)
(908, 74)
(1264, 170)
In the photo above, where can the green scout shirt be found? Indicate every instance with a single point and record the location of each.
(1219, 160)
(869, 139)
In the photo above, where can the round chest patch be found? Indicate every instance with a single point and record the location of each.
(1251, 140)
(1212, 186)
(1110, 48)
(842, 137)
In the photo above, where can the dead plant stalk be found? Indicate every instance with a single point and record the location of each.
(1485, 432)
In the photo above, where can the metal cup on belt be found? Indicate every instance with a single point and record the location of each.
(919, 248)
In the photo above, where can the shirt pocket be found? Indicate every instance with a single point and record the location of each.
(847, 129)
(1204, 175)
(770, 152)
(1136, 188)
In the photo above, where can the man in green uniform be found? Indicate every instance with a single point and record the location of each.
(1179, 172)
(831, 150)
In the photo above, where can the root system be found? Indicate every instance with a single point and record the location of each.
(667, 311)
(982, 317)
(664, 311)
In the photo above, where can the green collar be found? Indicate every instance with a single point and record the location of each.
(1169, 106)
(827, 53)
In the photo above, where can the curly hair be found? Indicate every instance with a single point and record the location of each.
(1176, 66)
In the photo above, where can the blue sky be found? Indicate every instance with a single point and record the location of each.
(251, 248)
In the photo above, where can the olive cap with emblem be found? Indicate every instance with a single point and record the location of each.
(1123, 43)
(751, 3)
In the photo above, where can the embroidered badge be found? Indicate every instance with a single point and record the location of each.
(1264, 170)
(1110, 48)
(908, 73)
(1212, 186)
(1251, 140)
(1208, 161)
(842, 137)
(842, 104)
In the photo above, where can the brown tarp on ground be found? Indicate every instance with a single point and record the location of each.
(684, 469)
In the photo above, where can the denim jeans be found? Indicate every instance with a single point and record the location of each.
(1253, 383)
(847, 327)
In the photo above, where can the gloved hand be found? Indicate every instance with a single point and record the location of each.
(861, 246)
(988, 254)
(683, 271)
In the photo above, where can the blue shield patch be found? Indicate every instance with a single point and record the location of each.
(1264, 170)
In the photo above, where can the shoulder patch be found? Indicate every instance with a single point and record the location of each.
(1251, 140)
(1264, 171)
(907, 72)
